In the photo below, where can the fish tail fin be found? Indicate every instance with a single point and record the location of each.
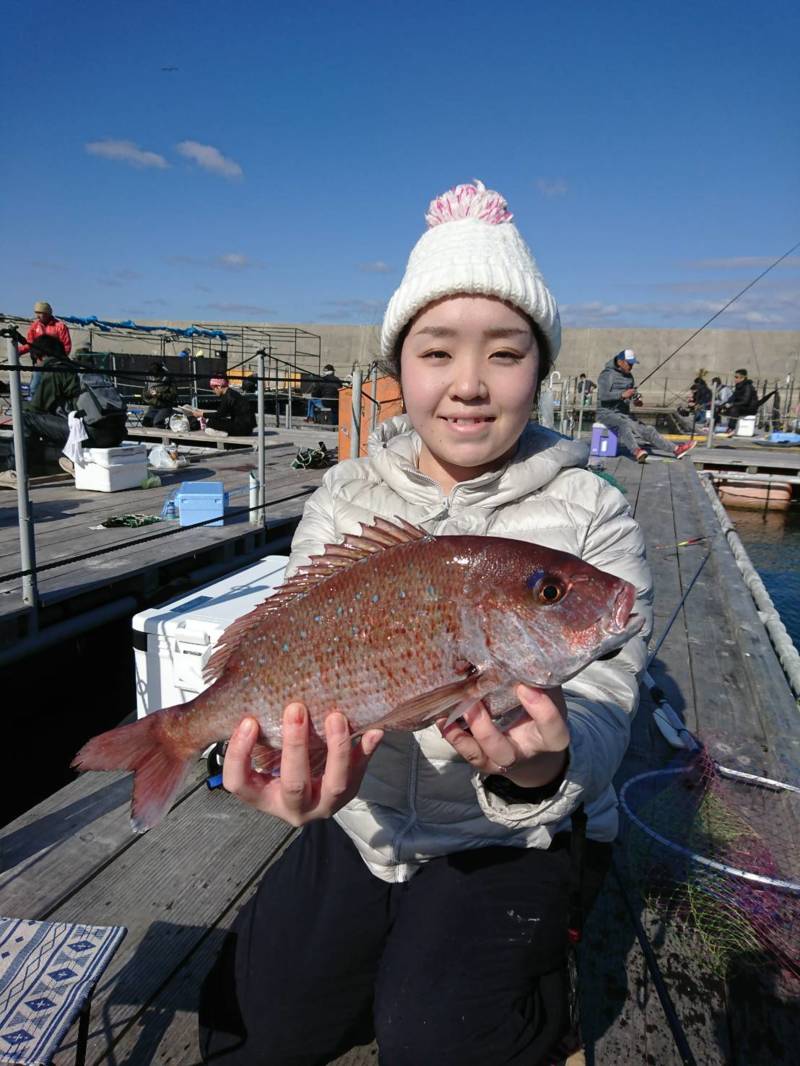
(158, 764)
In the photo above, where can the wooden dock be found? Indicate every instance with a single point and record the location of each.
(76, 571)
(178, 887)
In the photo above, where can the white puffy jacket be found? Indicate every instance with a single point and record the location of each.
(419, 798)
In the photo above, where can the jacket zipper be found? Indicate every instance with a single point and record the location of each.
(404, 829)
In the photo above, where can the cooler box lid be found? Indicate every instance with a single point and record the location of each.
(125, 455)
(212, 608)
(201, 488)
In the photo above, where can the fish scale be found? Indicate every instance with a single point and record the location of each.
(393, 628)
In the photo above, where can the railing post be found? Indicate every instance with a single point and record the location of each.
(27, 545)
(373, 380)
(261, 514)
(355, 437)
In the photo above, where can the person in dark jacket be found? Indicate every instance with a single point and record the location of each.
(161, 394)
(234, 417)
(44, 417)
(745, 398)
(616, 390)
(325, 393)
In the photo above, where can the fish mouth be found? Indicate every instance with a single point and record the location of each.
(621, 610)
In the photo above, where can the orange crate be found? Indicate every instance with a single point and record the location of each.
(390, 403)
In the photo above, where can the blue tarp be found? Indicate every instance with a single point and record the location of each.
(97, 323)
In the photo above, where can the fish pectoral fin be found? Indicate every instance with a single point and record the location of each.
(437, 702)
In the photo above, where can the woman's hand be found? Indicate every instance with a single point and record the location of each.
(295, 796)
(531, 753)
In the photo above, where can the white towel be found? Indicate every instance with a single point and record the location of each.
(77, 433)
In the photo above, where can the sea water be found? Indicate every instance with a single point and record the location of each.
(772, 541)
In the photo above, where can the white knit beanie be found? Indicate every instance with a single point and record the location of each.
(471, 246)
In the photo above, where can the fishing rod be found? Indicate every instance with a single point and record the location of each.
(725, 308)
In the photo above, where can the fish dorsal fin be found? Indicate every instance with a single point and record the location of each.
(334, 558)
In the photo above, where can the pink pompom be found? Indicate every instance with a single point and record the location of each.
(468, 201)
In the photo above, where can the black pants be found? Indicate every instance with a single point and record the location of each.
(157, 416)
(40, 429)
(442, 968)
(235, 427)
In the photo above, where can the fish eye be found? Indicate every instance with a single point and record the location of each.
(549, 590)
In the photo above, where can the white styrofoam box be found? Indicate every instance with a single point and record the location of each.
(746, 426)
(112, 469)
(172, 643)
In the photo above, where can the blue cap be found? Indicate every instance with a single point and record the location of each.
(628, 355)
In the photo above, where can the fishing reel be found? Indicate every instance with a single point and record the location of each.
(637, 400)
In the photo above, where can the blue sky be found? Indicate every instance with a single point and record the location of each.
(650, 153)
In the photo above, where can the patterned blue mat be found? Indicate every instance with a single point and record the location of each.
(48, 971)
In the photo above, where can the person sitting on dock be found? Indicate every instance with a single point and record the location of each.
(234, 417)
(585, 387)
(743, 401)
(44, 417)
(616, 391)
(161, 394)
(325, 393)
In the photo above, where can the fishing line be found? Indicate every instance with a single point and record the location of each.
(681, 602)
(677, 1030)
(718, 313)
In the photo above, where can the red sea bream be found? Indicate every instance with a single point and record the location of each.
(393, 628)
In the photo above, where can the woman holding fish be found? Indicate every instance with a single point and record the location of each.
(428, 890)
(444, 684)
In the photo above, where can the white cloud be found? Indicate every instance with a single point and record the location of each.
(210, 158)
(248, 310)
(118, 278)
(227, 261)
(589, 313)
(376, 267)
(354, 310)
(551, 187)
(127, 152)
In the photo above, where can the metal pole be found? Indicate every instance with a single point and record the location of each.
(261, 515)
(288, 419)
(373, 380)
(355, 439)
(711, 410)
(193, 364)
(27, 545)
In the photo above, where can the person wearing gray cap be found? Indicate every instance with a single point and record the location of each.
(616, 390)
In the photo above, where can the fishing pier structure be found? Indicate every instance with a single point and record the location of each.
(177, 888)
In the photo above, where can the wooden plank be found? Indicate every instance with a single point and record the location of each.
(54, 526)
(169, 892)
(50, 850)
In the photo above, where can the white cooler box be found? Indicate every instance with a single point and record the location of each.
(112, 469)
(172, 642)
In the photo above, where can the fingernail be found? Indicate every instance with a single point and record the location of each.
(296, 714)
(248, 728)
(338, 725)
